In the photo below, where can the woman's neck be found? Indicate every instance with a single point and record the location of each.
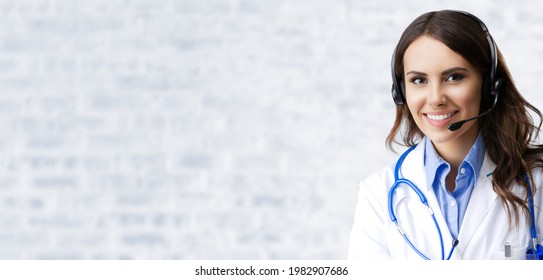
(456, 150)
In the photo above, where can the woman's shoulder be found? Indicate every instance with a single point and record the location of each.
(379, 175)
(378, 183)
(537, 173)
(385, 176)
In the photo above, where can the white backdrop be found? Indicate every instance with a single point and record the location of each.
(205, 129)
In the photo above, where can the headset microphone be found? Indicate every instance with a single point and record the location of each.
(458, 125)
(491, 83)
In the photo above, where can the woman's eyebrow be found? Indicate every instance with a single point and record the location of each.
(454, 69)
(448, 71)
(417, 73)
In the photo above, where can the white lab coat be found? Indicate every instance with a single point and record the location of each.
(483, 234)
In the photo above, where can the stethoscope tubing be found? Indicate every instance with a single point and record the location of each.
(398, 180)
(424, 201)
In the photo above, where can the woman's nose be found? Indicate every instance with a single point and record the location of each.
(436, 97)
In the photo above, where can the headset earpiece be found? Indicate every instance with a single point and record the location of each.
(490, 92)
(497, 88)
(491, 84)
(398, 86)
(397, 93)
(495, 92)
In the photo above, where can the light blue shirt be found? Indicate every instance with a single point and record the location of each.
(453, 205)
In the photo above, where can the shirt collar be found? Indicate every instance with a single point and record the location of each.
(476, 155)
(433, 162)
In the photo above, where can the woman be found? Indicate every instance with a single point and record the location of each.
(464, 188)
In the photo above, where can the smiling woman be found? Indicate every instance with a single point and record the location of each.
(444, 88)
(473, 162)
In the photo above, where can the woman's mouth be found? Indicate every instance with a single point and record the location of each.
(436, 117)
(439, 120)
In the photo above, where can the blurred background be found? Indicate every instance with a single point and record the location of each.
(213, 129)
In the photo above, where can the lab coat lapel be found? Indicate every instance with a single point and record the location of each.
(481, 200)
(413, 169)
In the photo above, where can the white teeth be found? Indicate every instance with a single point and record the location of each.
(440, 117)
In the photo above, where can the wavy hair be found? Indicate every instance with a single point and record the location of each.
(509, 131)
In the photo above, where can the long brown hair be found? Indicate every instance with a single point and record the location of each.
(509, 131)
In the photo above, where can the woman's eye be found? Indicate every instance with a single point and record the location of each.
(418, 80)
(454, 77)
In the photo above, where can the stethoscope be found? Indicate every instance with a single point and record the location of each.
(534, 253)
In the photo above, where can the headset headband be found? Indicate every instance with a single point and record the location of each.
(398, 86)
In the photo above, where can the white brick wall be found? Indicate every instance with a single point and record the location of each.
(205, 129)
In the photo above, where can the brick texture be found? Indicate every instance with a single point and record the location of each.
(207, 129)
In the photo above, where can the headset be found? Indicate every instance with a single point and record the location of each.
(491, 82)
(490, 91)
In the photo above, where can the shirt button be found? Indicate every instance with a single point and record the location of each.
(462, 170)
(453, 203)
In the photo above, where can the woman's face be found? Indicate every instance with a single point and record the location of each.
(442, 87)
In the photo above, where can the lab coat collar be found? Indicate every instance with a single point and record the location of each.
(413, 169)
(483, 197)
(481, 200)
(414, 164)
